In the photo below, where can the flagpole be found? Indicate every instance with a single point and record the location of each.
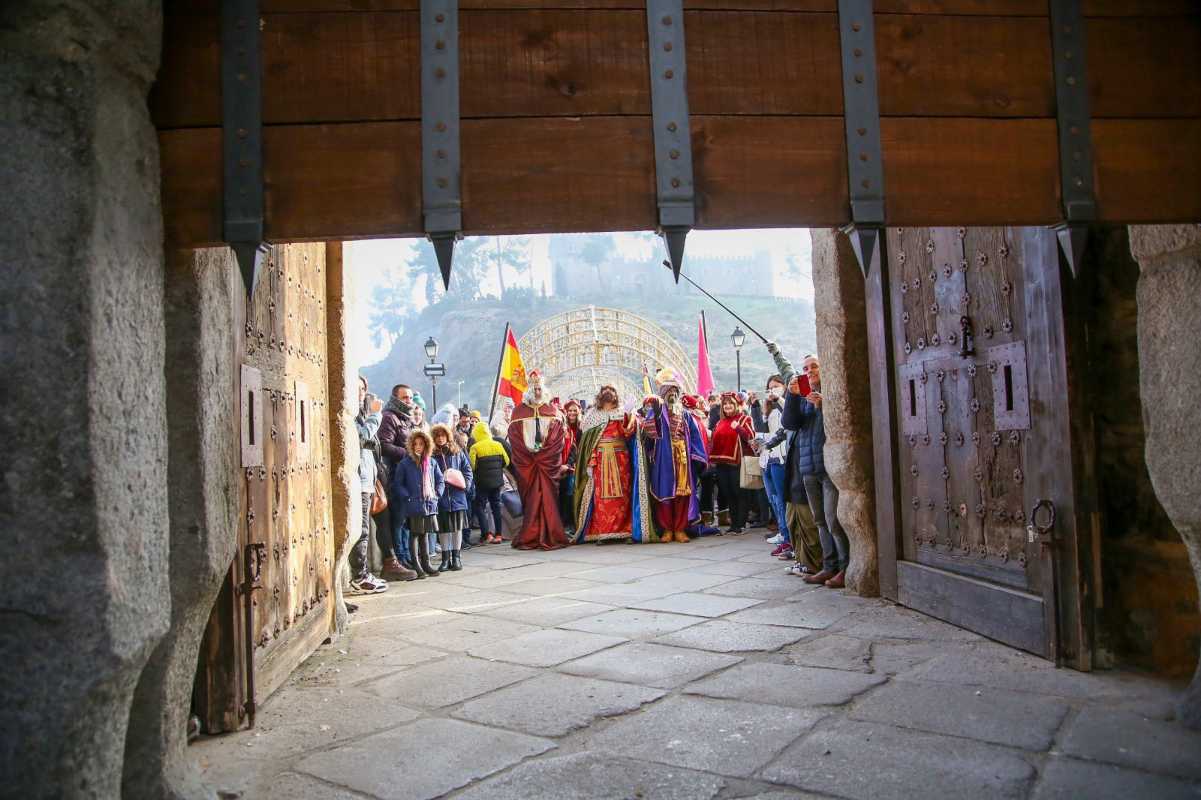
(504, 341)
(705, 328)
(720, 303)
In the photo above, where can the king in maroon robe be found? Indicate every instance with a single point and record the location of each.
(537, 438)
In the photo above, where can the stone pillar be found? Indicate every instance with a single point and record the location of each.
(1169, 307)
(847, 409)
(204, 318)
(83, 503)
(343, 399)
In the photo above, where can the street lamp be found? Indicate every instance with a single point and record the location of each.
(460, 403)
(431, 351)
(738, 337)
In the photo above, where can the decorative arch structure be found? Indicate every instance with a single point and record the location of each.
(582, 349)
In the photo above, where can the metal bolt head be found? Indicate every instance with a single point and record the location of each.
(675, 183)
(667, 20)
(667, 47)
(671, 126)
(669, 74)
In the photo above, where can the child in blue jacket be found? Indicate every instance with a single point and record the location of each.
(453, 505)
(417, 485)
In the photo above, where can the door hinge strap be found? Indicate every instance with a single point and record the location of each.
(441, 191)
(861, 115)
(672, 127)
(1073, 117)
(242, 201)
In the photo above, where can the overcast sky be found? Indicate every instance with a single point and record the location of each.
(368, 260)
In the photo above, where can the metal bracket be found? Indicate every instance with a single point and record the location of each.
(861, 114)
(1075, 137)
(242, 136)
(672, 129)
(441, 192)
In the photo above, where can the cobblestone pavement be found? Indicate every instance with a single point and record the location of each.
(687, 671)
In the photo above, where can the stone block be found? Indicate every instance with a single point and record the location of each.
(741, 569)
(649, 665)
(1068, 779)
(617, 574)
(1016, 719)
(547, 611)
(633, 623)
(1131, 740)
(344, 663)
(446, 682)
(786, 685)
(894, 622)
(723, 636)
(682, 581)
(422, 760)
(720, 736)
(465, 632)
(589, 776)
(544, 648)
(541, 587)
(696, 604)
(867, 761)
(294, 786)
(833, 651)
(774, 587)
(554, 705)
(792, 615)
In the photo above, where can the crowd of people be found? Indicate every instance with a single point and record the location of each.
(542, 473)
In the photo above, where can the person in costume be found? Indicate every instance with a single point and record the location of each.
(567, 484)
(695, 405)
(611, 502)
(536, 437)
(676, 443)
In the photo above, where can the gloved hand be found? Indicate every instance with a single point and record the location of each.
(773, 348)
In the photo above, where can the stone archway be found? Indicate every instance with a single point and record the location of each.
(592, 345)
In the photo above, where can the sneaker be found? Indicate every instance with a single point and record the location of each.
(799, 570)
(787, 555)
(369, 585)
(780, 548)
(777, 539)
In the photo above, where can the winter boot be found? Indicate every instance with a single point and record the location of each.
(445, 565)
(456, 563)
(423, 556)
(394, 571)
(723, 519)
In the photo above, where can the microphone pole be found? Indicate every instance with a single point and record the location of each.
(762, 338)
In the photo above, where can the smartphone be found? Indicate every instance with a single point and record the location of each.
(803, 383)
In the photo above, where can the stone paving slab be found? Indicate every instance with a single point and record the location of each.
(649, 664)
(622, 574)
(722, 736)
(446, 682)
(869, 761)
(545, 648)
(674, 563)
(422, 760)
(294, 786)
(696, 604)
(1069, 779)
(467, 631)
(771, 587)
(396, 618)
(541, 587)
(739, 569)
(832, 651)
(357, 658)
(786, 685)
(985, 714)
(780, 613)
(728, 550)
(893, 658)
(585, 776)
(546, 611)
(633, 623)
(682, 581)
(619, 554)
(894, 622)
(554, 705)
(723, 636)
(1132, 740)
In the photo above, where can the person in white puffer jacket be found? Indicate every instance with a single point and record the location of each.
(766, 415)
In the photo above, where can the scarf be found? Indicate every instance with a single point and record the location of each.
(427, 479)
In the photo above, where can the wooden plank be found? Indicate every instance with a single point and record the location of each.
(1001, 613)
(878, 295)
(1036, 8)
(358, 66)
(362, 180)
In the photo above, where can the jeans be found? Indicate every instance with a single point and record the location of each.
(773, 482)
(487, 508)
(357, 557)
(731, 490)
(400, 531)
(383, 532)
(823, 501)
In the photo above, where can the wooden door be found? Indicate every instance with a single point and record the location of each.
(984, 434)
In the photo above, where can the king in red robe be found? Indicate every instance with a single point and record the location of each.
(537, 438)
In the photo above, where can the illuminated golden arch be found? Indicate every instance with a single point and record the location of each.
(585, 348)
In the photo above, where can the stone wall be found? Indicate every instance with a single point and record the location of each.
(847, 411)
(1169, 304)
(83, 504)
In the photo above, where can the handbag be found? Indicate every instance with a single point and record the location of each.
(379, 499)
(454, 477)
(750, 474)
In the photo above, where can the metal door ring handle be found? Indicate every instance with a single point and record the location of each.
(1048, 508)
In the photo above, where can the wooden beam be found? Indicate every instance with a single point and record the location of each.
(557, 175)
(360, 66)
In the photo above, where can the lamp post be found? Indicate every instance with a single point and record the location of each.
(460, 391)
(431, 352)
(738, 337)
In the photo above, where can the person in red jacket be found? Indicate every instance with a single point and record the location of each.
(732, 437)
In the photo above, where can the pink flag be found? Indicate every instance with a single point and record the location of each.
(704, 376)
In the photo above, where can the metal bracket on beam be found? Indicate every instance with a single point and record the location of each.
(672, 129)
(861, 114)
(242, 136)
(1075, 138)
(441, 193)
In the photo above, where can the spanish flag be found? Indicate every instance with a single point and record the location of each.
(512, 370)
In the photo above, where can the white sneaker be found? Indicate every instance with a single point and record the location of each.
(369, 585)
(777, 539)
